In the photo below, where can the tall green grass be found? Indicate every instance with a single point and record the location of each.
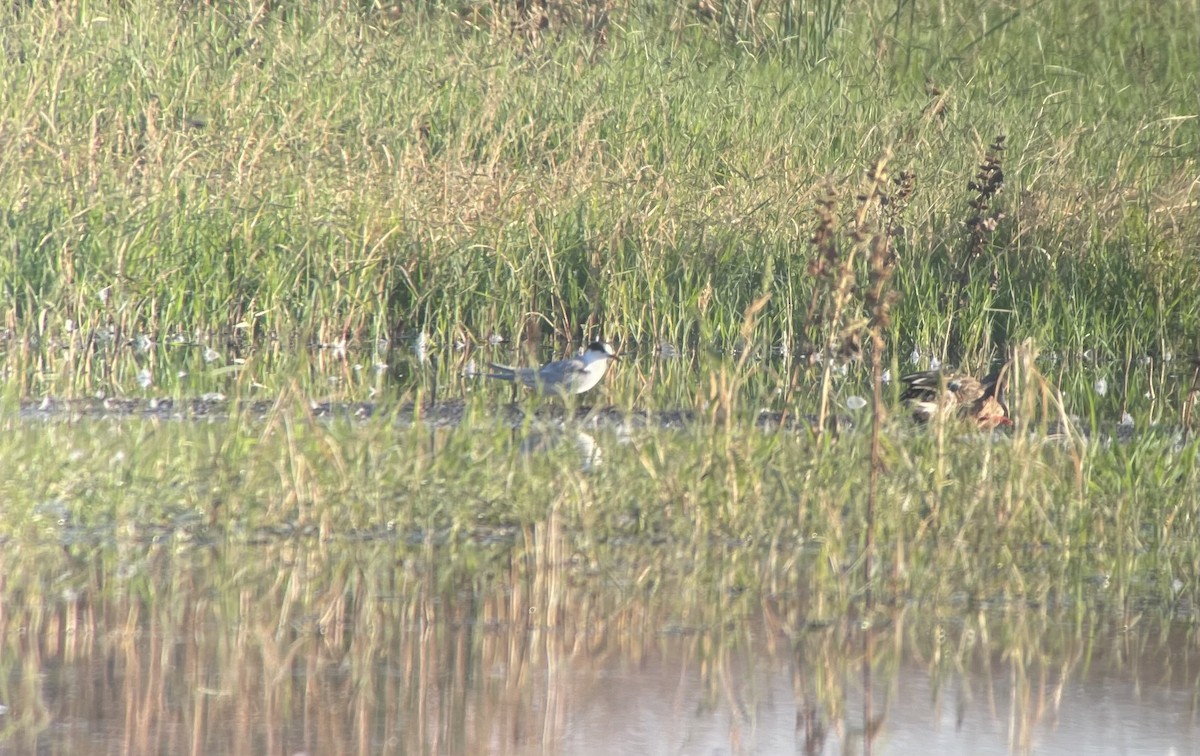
(210, 175)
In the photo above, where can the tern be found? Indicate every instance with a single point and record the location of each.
(574, 375)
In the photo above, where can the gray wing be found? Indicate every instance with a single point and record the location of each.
(568, 367)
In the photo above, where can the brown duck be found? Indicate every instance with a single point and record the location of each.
(934, 394)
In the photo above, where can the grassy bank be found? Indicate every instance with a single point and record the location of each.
(177, 178)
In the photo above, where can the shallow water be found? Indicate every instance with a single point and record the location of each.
(467, 576)
(527, 647)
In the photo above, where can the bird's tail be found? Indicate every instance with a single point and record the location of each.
(502, 372)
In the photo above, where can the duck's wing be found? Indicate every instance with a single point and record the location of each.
(921, 386)
(994, 384)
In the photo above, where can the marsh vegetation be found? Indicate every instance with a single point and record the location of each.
(324, 219)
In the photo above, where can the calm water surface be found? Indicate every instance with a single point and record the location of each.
(524, 647)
